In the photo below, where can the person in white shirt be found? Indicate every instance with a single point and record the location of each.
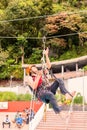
(6, 121)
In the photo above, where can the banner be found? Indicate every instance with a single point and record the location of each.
(3, 105)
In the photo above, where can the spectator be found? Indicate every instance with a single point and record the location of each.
(27, 119)
(19, 121)
(31, 115)
(24, 116)
(16, 116)
(6, 121)
(27, 110)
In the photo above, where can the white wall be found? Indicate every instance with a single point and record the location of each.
(78, 84)
(74, 84)
(17, 89)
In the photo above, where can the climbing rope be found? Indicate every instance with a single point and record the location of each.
(70, 111)
(43, 58)
(43, 70)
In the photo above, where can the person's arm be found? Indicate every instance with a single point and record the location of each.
(47, 58)
(31, 83)
(35, 83)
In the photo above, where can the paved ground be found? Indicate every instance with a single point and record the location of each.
(13, 126)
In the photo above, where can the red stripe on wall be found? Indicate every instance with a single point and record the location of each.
(15, 106)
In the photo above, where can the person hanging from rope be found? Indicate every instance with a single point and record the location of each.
(45, 92)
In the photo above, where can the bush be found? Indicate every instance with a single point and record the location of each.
(11, 96)
(85, 68)
(16, 71)
(78, 99)
(27, 97)
(8, 96)
(24, 97)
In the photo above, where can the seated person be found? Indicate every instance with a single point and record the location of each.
(31, 115)
(27, 119)
(24, 115)
(6, 121)
(16, 116)
(19, 121)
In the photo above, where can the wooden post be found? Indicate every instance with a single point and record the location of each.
(77, 69)
(24, 77)
(62, 70)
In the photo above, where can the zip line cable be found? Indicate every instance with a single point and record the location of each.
(42, 16)
(40, 38)
(71, 34)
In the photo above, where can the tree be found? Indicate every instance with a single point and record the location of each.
(3, 57)
(61, 25)
(22, 41)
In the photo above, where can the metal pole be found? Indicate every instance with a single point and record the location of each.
(24, 77)
(11, 81)
(83, 91)
(82, 71)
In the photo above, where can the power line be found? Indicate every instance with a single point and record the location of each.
(71, 34)
(44, 16)
(39, 38)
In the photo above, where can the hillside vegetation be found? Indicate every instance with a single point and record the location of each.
(24, 23)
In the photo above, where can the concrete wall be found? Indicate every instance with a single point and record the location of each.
(14, 106)
(17, 89)
(78, 84)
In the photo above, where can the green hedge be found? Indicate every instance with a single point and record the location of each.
(78, 99)
(11, 96)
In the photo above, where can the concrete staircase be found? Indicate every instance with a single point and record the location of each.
(76, 121)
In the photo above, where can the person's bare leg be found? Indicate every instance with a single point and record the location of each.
(68, 96)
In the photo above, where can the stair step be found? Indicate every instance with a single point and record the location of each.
(76, 121)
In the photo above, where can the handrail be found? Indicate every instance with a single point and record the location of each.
(37, 118)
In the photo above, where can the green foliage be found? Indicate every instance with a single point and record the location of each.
(24, 97)
(57, 7)
(36, 56)
(82, 50)
(11, 96)
(68, 55)
(17, 72)
(10, 61)
(3, 56)
(85, 68)
(44, 7)
(7, 71)
(78, 99)
(8, 96)
(24, 47)
(20, 97)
